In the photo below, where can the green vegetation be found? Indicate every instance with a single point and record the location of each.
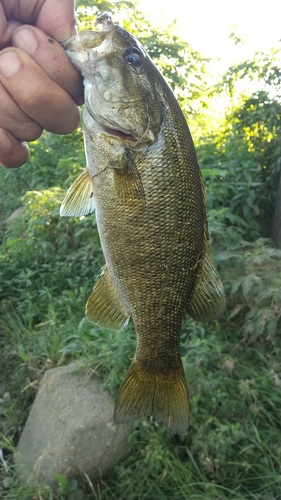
(48, 266)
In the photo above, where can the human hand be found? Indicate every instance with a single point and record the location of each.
(39, 87)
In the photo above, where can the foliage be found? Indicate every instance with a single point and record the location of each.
(36, 250)
(259, 306)
(49, 264)
(241, 160)
(55, 161)
(263, 67)
(241, 166)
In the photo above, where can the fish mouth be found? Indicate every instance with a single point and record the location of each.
(118, 133)
(109, 127)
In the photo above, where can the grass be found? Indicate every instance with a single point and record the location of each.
(48, 266)
(232, 451)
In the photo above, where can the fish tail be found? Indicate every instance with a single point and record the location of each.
(163, 396)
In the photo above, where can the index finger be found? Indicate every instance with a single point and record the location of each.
(6, 28)
(52, 58)
(57, 19)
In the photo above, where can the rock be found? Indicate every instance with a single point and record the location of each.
(70, 430)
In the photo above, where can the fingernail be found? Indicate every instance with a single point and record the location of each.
(25, 39)
(9, 63)
(5, 141)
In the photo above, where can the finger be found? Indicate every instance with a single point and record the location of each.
(54, 17)
(6, 28)
(51, 57)
(14, 120)
(13, 153)
(36, 94)
(57, 19)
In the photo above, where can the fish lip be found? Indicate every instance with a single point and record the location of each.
(125, 136)
(115, 132)
(104, 22)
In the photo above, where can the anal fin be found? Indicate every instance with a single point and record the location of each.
(104, 306)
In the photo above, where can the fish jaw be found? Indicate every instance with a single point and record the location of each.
(78, 46)
(118, 97)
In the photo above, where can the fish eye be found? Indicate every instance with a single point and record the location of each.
(133, 57)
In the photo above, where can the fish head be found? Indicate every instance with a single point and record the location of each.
(120, 91)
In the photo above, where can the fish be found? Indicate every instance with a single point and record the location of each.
(144, 183)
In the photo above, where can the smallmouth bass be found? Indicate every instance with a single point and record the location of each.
(144, 183)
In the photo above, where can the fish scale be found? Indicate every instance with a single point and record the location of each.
(144, 182)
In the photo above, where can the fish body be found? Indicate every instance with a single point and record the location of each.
(144, 182)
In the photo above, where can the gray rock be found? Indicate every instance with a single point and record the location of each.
(70, 430)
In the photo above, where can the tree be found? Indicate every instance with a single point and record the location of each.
(243, 157)
(276, 224)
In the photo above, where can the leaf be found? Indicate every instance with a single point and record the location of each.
(22, 354)
(249, 284)
(235, 286)
(236, 311)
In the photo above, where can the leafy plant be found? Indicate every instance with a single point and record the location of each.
(48, 266)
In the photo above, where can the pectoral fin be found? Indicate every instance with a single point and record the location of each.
(79, 199)
(208, 299)
(128, 182)
(104, 306)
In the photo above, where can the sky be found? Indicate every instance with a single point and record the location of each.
(206, 25)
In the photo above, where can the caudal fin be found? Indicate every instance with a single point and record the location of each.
(163, 396)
